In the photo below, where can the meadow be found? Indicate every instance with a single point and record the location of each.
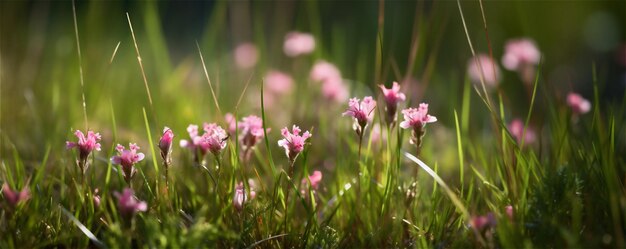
(312, 124)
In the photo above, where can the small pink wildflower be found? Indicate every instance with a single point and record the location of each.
(252, 185)
(578, 104)
(14, 197)
(127, 159)
(293, 142)
(165, 144)
(416, 119)
(246, 55)
(96, 198)
(519, 53)
(509, 211)
(195, 143)
(362, 112)
(323, 70)
(483, 66)
(297, 43)
(128, 204)
(335, 90)
(214, 138)
(239, 198)
(85, 145)
(315, 179)
(516, 127)
(392, 97)
(278, 82)
(251, 131)
(482, 222)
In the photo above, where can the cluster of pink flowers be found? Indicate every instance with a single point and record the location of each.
(482, 66)
(519, 53)
(516, 127)
(315, 179)
(293, 142)
(362, 112)
(85, 145)
(14, 197)
(251, 131)
(246, 55)
(392, 96)
(329, 75)
(277, 85)
(128, 204)
(483, 222)
(297, 43)
(212, 140)
(127, 159)
(416, 119)
(578, 104)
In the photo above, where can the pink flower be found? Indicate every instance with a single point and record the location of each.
(323, 71)
(482, 222)
(195, 141)
(246, 55)
(239, 198)
(509, 211)
(251, 131)
(252, 185)
(335, 90)
(516, 127)
(278, 82)
(128, 204)
(165, 144)
(392, 97)
(362, 112)
(13, 197)
(578, 104)
(297, 43)
(417, 118)
(519, 53)
(293, 142)
(96, 198)
(483, 66)
(86, 144)
(315, 179)
(214, 139)
(127, 159)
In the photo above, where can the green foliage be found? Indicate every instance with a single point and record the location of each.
(566, 189)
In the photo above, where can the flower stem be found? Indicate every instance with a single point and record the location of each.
(167, 177)
(287, 192)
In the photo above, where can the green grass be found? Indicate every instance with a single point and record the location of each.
(566, 189)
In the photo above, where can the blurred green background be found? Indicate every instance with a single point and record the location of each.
(39, 71)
